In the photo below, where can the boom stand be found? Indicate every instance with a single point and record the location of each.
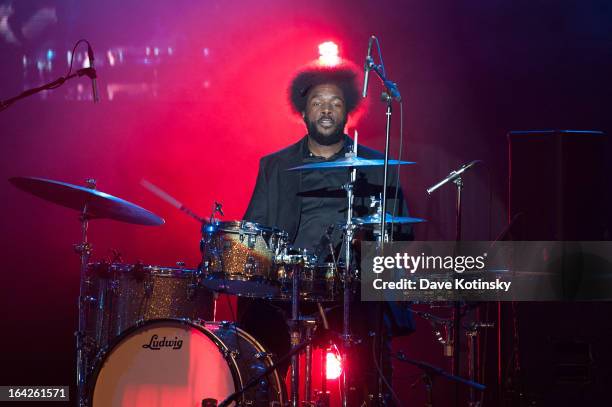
(430, 372)
(457, 306)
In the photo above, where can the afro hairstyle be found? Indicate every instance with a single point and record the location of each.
(344, 76)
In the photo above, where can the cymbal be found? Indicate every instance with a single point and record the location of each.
(347, 162)
(361, 189)
(375, 219)
(99, 204)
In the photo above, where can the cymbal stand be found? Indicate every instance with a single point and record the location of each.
(83, 249)
(295, 334)
(309, 325)
(380, 236)
(349, 232)
(322, 399)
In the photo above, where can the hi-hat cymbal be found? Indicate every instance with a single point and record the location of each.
(348, 162)
(375, 219)
(99, 204)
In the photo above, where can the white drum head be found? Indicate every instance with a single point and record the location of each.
(163, 363)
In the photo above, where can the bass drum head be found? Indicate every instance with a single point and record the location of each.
(165, 363)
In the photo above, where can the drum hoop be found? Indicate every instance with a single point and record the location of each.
(150, 270)
(105, 352)
(259, 347)
(251, 228)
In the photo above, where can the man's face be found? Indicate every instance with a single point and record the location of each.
(325, 114)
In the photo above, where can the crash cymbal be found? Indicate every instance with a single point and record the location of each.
(99, 204)
(347, 162)
(375, 219)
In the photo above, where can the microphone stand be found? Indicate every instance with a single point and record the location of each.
(391, 93)
(456, 178)
(430, 372)
(89, 72)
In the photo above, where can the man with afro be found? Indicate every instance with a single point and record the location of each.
(307, 204)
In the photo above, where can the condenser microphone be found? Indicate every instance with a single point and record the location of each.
(93, 75)
(366, 67)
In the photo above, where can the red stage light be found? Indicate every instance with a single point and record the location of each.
(328, 54)
(333, 364)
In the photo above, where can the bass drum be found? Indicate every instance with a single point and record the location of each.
(180, 363)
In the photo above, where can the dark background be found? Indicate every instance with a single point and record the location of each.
(195, 119)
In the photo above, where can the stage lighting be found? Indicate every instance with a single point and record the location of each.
(328, 54)
(333, 364)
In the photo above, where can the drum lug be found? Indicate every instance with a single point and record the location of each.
(191, 291)
(148, 288)
(114, 286)
(251, 241)
(231, 354)
(251, 265)
(264, 355)
(89, 299)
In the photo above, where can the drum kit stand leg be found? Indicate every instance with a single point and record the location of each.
(83, 249)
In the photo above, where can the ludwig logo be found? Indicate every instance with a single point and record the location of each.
(156, 344)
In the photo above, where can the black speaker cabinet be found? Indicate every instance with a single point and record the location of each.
(557, 353)
(557, 185)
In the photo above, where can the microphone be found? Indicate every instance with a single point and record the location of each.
(453, 175)
(92, 75)
(366, 67)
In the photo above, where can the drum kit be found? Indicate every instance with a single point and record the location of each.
(146, 334)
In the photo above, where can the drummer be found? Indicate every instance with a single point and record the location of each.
(310, 204)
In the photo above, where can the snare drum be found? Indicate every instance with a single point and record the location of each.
(127, 294)
(180, 363)
(238, 258)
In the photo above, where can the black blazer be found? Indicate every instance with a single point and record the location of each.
(276, 203)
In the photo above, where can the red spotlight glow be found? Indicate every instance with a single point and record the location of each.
(328, 54)
(333, 364)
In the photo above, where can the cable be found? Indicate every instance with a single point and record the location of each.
(55, 85)
(72, 54)
(380, 372)
(399, 158)
(484, 351)
(382, 64)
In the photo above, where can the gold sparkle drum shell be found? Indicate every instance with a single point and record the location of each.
(124, 295)
(238, 258)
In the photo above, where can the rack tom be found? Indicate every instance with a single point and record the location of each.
(238, 257)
